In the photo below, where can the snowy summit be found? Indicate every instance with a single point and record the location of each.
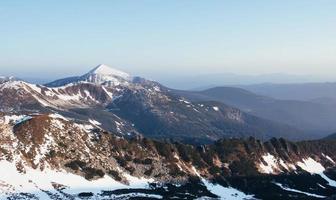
(103, 69)
(103, 74)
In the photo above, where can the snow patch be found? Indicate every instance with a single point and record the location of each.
(44, 149)
(311, 166)
(227, 193)
(271, 164)
(16, 119)
(57, 116)
(215, 108)
(184, 101)
(85, 127)
(327, 157)
(298, 191)
(103, 69)
(33, 181)
(110, 94)
(330, 181)
(94, 122)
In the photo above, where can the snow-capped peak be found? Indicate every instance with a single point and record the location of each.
(103, 69)
(103, 74)
(8, 78)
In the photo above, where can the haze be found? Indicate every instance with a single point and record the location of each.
(158, 39)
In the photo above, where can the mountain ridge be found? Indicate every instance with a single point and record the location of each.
(32, 145)
(141, 102)
(314, 118)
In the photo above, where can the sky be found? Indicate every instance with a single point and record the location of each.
(156, 39)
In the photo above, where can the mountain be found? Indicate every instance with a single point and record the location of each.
(110, 135)
(49, 156)
(102, 74)
(314, 118)
(206, 81)
(7, 78)
(138, 106)
(331, 137)
(298, 91)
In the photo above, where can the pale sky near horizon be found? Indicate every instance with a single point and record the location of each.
(159, 38)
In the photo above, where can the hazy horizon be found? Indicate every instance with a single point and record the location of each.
(188, 81)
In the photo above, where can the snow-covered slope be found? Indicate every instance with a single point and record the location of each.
(7, 78)
(71, 95)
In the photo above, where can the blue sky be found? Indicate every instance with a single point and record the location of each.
(160, 38)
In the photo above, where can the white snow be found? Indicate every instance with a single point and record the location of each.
(119, 125)
(330, 181)
(35, 87)
(42, 101)
(298, 191)
(94, 122)
(328, 157)
(215, 108)
(85, 127)
(58, 116)
(157, 89)
(271, 164)
(184, 101)
(283, 164)
(331, 160)
(16, 119)
(11, 85)
(44, 149)
(227, 193)
(65, 97)
(311, 166)
(34, 181)
(110, 94)
(103, 69)
(138, 195)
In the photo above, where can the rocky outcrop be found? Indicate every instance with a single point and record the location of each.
(52, 142)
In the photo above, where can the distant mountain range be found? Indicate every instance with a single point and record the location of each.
(206, 81)
(315, 118)
(316, 92)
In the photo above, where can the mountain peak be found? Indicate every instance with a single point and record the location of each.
(7, 78)
(103, 69)
(101, 74)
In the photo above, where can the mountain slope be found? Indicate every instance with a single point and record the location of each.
(308, 116)
(136, 106)
(331, 137)
(298, 91)
(163, 115)
(53, 157)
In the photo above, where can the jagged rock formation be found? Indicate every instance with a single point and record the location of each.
(33, 144)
